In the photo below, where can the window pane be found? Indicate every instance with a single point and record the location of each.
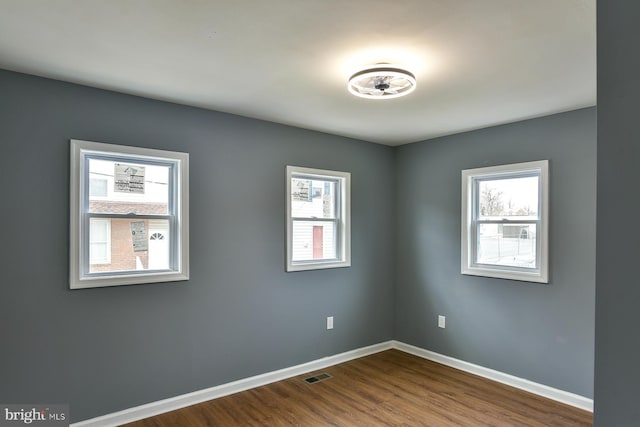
(313, 198)
(512, 245)
(513, 197)
(129, 188)
(313, 240)
(134, 244)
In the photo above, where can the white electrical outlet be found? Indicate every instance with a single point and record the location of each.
(330, 322)
(441, 321)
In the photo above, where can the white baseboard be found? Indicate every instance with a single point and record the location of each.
(156, 408)
(160, 407)
(521, 383)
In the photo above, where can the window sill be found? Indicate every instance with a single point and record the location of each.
(303, 266)
(127, 279)
(523, 276)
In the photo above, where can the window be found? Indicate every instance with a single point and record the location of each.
(129, 215)
(318, 219)
(505, 221)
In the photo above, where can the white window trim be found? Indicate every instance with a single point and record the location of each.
(344, 221)
(468, 267)
(78, 240)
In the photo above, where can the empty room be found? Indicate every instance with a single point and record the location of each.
(315, 213)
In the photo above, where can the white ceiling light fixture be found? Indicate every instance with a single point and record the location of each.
(382, 81)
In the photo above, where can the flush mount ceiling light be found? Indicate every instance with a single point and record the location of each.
(382, 81)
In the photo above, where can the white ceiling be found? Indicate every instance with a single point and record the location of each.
(477, 62)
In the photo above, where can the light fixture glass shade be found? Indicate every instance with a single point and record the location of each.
(382, 82)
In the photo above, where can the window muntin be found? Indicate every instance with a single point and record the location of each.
(146, 195)
(318, 223)
(505, 213)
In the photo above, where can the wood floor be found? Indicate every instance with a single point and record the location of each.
(391, 388)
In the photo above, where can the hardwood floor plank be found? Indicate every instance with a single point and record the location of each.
(391, 388)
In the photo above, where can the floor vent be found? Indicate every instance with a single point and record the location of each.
(317, 378)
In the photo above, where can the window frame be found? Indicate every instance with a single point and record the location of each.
(342, 220)
(80, 217)
(471, 222)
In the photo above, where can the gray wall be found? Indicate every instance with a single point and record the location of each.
(108, 349)
(540, 332)
(617, 376)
